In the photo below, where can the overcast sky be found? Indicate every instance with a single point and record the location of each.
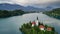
(36, 3)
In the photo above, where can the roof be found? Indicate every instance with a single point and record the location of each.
(33, 23)
(41, 26)
(49, 28)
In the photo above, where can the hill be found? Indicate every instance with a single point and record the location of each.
(6, 6)
(53, 13)
(5, 13)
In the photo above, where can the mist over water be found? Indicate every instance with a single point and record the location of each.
(11, 25)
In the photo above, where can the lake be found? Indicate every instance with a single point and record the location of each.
(11, 25)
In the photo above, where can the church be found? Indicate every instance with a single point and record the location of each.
(40, 25)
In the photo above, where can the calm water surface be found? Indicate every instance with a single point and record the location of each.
(11, 25)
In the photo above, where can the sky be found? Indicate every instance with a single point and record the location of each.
(35, 3)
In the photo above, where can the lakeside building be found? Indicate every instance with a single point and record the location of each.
(41, 26)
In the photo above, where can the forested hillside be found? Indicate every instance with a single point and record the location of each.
(5, 13)
(54, 13)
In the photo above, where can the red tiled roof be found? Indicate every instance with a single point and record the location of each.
(41, 26)
(49, 28)
(33, 23)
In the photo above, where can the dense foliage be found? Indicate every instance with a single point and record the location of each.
(27, 29)
(54, 13)
(5, 13)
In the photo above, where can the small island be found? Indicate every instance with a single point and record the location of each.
(36, 27)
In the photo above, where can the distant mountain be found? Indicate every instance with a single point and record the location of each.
(51, 8)
(33, 8)
(48, 8)
(6, 6)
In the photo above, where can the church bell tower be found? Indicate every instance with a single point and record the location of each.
(37, 21)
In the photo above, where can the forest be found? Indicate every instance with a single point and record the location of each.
(53, 13)
(5, 13)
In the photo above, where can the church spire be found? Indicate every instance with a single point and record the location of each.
(37, 21)
(37, 18)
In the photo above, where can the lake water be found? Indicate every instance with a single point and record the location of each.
(11, 25)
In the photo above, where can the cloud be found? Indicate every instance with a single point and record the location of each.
(37, 3)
